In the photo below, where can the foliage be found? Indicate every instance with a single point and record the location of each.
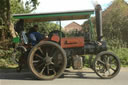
(48, 27)
(3, 10)
(115, 23)
(32, 4)
(18, 7)
(122, 53)
(5, 52)
(44, 27)
(8, 7)
(15, 6)
(5, 57)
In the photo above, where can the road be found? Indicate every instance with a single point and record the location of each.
(85, 77)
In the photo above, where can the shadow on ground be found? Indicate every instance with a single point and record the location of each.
(13, 75)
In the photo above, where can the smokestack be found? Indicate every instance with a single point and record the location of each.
(98, 11)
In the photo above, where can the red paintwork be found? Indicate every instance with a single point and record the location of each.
(72, 42)
(55, 38)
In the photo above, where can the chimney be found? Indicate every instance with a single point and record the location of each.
(98, 11)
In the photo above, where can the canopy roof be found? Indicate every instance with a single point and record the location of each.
(39, 17)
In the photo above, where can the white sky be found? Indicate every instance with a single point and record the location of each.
(69, 5)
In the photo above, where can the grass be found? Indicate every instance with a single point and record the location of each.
(122, 53)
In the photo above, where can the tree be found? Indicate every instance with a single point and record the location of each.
(44, 27)
(115, 23)
(12, 6)
(18, 7)
(4, 15)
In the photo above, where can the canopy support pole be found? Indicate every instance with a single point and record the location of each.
(60, 30)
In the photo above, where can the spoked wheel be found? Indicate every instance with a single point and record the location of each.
(47, 60)
(106, 65)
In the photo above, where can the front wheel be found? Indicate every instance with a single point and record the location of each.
(106, 65)
(47, 60)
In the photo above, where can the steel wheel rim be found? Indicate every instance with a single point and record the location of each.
(50, 63)
(106, 66)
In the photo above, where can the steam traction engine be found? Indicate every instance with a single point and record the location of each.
(49, 58)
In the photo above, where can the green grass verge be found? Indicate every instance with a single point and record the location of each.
(122, 53)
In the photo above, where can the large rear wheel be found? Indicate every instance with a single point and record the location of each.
(47, 60)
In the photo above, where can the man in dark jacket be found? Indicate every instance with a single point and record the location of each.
(35, 37)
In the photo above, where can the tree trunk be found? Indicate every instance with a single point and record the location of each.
(9, 24)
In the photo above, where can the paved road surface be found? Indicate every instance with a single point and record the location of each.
(86, 77)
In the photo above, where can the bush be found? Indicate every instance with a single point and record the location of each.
(122, 53)
(5, 58)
